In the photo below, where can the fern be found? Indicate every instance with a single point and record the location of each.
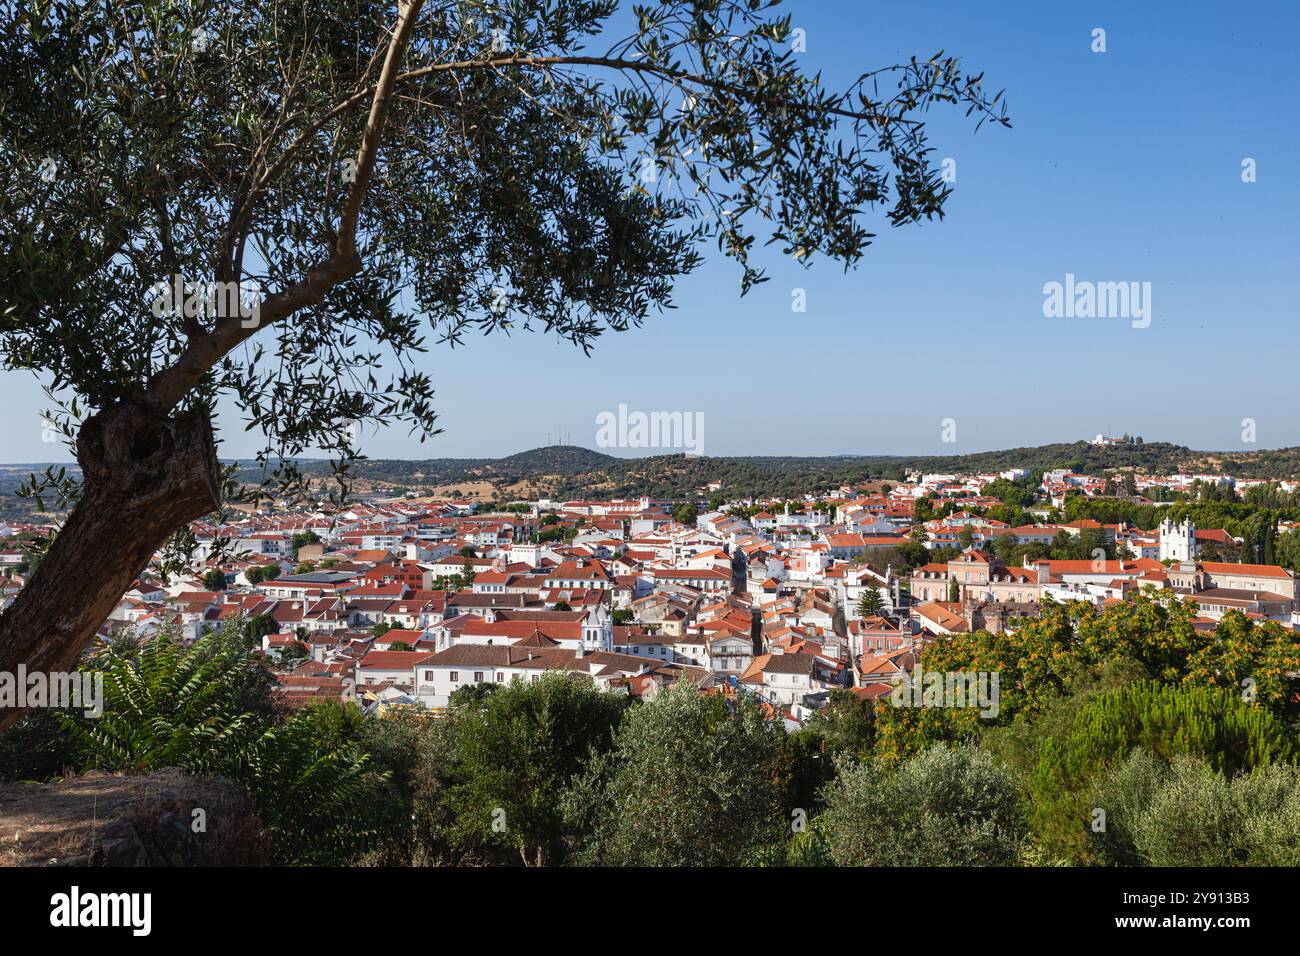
(198, 708)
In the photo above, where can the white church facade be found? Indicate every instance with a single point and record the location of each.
(1177, 541)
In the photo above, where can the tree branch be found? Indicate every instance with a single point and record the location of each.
(166, 389)
(169, 386)
(408, 12)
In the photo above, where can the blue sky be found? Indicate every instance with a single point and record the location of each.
(1120, 166)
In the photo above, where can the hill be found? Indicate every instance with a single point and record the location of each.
(570, 471)
(567, 471)
(553, 460)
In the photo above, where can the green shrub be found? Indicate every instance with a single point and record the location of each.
(1169, 721)
(941, 808)
(689, 782)
(205, 708)
(1201, 818)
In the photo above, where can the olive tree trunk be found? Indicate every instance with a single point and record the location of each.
(145, 475)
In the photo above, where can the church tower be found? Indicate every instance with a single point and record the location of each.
(1177, 541)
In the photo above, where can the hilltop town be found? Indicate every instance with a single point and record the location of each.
(402, 602)
(748, 560)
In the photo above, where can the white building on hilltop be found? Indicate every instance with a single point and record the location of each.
(1177, 541)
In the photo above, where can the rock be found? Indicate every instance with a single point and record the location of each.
(159, 819)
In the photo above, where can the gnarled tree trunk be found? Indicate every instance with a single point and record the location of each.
(146, 474)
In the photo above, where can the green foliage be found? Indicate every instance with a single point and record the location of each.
(1288, 550)
(1049, 665)
(37, 747)
(257, 628)
(1199, 817)
(941, 808)
(467, 573)
(902, 733)
(1044, 657)
(1124, 793)
(1189, 814)
(214, 580)
(802, 767)
(206, 709)
(1017, 493)
(511, 754)
(1217, 725)
(375, 824)
(1231, 733)
(689, 782)
(303, 537)
(166, 705)
(318, 802)
(871, 603)
(841, 731)
(509, 195)
(295, 650)
(1016, 744)
(844, 728)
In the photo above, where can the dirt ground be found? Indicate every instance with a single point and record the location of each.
(101, 819)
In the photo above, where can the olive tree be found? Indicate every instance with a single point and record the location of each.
(690, 781)
(285, 204)
(941, 808)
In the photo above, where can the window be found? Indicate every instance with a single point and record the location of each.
(428, 675)
(501, 678)
(455, 676)
(478, 677)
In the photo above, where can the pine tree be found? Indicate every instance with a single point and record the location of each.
(871, 603)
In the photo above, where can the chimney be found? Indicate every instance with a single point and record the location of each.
(1044, 571)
